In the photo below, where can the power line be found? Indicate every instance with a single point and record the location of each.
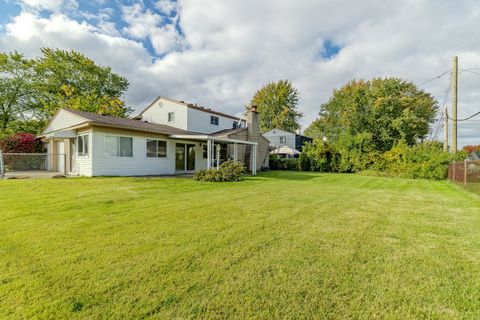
(440, 123)
(467, 118)
(470, 71)
(434, 78)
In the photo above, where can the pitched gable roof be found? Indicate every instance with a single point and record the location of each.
(227, 132)
(189, 105)
(126, 123)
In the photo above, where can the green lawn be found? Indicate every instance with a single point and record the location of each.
(277, 246)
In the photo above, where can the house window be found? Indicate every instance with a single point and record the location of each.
(156, 148)
(82, 145)
(214, 120)
(283, 139)
(235, 125)
(118, 146)
(205, 151)
(171, 116)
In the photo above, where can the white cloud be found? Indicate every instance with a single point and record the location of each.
(144, 23)
(231, 48)
(50, 5)
(166, 6)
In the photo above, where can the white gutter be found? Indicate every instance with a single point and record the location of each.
(204, 137)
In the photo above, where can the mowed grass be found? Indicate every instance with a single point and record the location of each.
(282, 245)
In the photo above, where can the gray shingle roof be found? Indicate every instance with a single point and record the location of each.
(129, 123)
(227, 132)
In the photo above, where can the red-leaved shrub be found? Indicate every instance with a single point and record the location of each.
(21, 142)
(471, 148)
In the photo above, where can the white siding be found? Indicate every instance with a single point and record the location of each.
(158, 113)
(274, 137)
(139, 164)
(83, 164)
(199, 121)
(63, 120)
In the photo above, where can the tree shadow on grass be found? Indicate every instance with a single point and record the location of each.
(289, 175)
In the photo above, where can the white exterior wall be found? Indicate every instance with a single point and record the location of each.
(158, 113)
(199, 121)
(274, 137)
(139, 164)
(62, 120)
(83, 164)
(185, 118)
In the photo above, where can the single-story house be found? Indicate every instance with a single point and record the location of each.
(168, 137)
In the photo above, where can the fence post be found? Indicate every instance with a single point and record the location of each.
(2, 169)
(454, 164)
(465, 173)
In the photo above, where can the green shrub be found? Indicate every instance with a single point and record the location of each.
(277, 163)
(355, 154)
(227, 172)
(422, 161)
(315, 156)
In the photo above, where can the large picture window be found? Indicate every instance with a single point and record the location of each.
(118, 146)
(82, 145)
(156, 148)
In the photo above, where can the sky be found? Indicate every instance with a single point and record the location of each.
(217, 53)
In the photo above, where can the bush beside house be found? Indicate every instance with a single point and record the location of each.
(21, 142)
(277, 163)
(228, 171)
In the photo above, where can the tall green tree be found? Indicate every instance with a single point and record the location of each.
(32, 90)
(386, 109)
(71, 80)
(17, 82)
(277, 104)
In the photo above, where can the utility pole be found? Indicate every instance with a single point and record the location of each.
(454, 103)
(445, 129)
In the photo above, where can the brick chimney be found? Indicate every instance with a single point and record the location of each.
(253, 124)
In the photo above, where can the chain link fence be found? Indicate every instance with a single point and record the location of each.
(31, 164)
(467, 173)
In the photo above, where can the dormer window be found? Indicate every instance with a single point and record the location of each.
(214, 120)
(235, 125)
(171, 117)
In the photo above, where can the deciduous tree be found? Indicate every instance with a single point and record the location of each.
(388, 110)
(277, 104)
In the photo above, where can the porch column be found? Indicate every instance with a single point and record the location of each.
(209, 154)
(218, 155)
(235, 152)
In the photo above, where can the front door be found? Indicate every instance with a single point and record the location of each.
(184, 157)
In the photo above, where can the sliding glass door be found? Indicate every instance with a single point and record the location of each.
(184, 157)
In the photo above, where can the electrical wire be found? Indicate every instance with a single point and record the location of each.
(470, 71)
(434, 78)
(467, 118)
(440, 122)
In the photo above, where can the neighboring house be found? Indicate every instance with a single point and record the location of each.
(473, 156)
(168, 137)
(280, 138)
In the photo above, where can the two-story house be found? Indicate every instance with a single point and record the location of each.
(168, 137)
(286, 143)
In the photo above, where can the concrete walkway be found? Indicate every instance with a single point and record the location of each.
(31, 174)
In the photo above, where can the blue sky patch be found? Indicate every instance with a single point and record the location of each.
(330, 49)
